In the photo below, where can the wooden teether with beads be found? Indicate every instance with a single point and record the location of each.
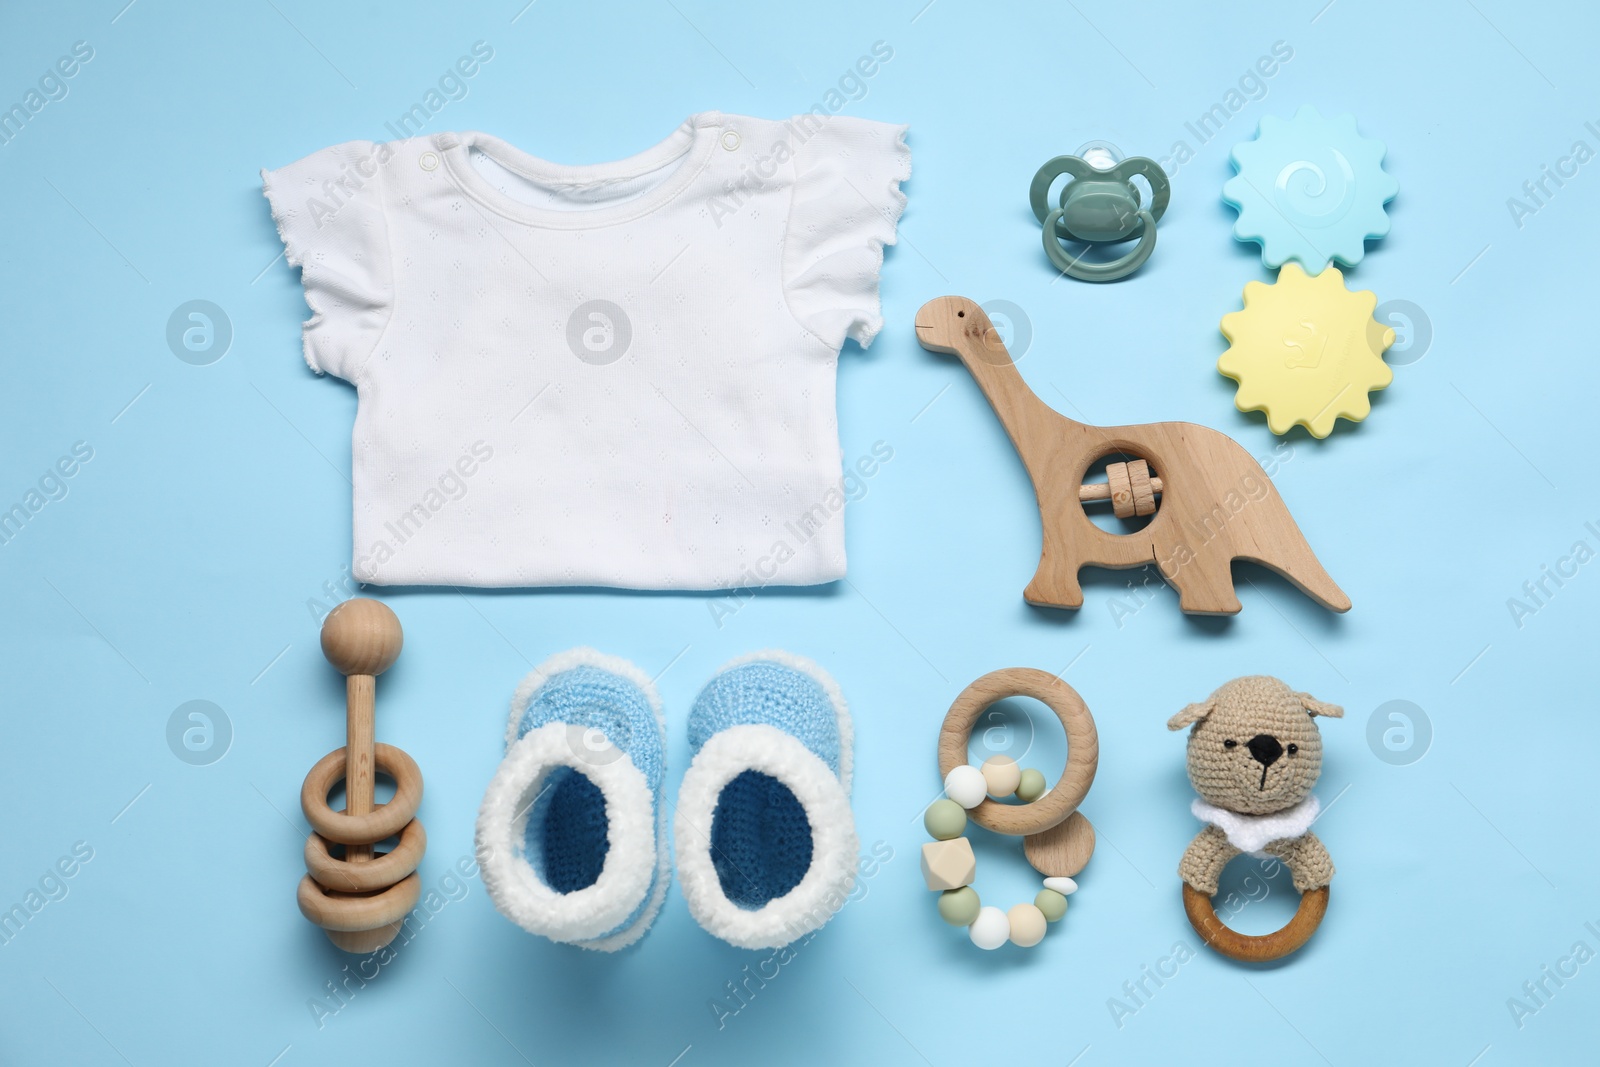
(1057, 839)
(361, 898)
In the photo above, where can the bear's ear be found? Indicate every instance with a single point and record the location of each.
(1318, 707)
(1192, 714)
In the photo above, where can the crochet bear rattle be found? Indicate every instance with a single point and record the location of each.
(1254, 756)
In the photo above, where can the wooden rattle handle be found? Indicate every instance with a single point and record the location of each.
(360, 778)
(362, 639)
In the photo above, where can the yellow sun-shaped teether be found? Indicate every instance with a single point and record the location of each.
(1306, 350)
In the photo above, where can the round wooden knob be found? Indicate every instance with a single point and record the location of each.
(361, 636)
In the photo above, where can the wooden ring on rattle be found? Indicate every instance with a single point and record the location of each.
(1083, 747)
(370, 913)
(385, 820)
(381, 871)
(1260, 948)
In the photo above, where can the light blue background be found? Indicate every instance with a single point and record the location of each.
(180, 563)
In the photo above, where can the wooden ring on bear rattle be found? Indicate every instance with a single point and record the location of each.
(1259, 948)
(1083, 747)
(385, 820)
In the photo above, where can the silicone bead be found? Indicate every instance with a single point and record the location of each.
(1030, 786)
(966, 785)
(1065, 886)
(945, 819)
(1027, 925)
(959, 907)
(948, 864)
(1051, 903)
(991, 929)
(1001, 774)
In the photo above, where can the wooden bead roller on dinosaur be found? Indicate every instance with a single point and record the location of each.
(1217, 504)
(1131, 488)
(361, 898)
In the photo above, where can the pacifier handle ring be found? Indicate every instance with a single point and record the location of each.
(1075, 267)
(1039, 190)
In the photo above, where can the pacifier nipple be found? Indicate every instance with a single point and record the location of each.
(1101, 155)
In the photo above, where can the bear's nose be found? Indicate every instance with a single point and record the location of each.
(1265, 749)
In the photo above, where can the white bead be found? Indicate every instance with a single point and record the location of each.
(1001, 774)
(966, 785)
(1065, 886)
(991, 928)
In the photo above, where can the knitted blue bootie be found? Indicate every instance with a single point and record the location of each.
(765, 839)
(571, 835)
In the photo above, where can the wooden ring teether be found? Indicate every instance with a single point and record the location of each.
(1260, 948)
(361, 899)
(1083, 747)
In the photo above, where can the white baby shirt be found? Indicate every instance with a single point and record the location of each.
(612, 375)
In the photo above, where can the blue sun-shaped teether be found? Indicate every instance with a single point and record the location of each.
(1310, 189)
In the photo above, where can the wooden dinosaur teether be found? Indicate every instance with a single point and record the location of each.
(362, 898)
(1217, 504)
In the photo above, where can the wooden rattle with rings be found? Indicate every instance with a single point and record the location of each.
(361, 898)
(1056, 837)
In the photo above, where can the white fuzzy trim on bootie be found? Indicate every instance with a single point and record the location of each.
(635, 851)
(1252, 833)
(832, 874)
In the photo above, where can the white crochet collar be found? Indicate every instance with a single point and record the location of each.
(1252, 833)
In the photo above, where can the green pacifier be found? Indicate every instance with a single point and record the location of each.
(1099, 205)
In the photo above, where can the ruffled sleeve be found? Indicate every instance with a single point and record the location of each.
(847, 203)
(330, 214)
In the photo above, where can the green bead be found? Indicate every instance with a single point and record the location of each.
(1053, 904)
(945, 820)
(959, 907)
(1031, 787)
